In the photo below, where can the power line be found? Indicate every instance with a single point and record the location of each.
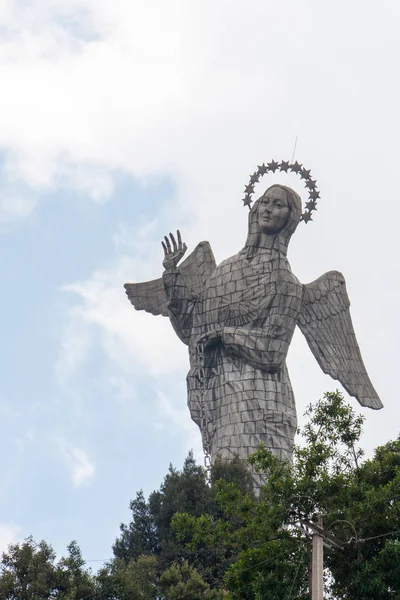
(375, 537)
(294, 580)
(294, 522)
(254, 567)
(271, 559)
(335, 512)
(246, 569)
(357, 505)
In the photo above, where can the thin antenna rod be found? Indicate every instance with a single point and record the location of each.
(294, 149)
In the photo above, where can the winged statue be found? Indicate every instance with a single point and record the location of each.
(238, 319)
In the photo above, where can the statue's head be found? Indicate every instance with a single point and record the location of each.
(274, 217)
(273, 210)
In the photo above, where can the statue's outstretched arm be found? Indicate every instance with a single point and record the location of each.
(180, 302)
(182, 284)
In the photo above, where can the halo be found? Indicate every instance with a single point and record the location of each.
(271, 167)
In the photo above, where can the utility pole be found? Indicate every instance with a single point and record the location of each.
(319, 539)
(317, 563)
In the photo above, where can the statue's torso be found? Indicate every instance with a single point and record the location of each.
(241, 291)
(243, 405)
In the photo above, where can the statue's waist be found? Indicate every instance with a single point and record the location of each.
(232, 370)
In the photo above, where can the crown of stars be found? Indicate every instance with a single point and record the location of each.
(285, 166)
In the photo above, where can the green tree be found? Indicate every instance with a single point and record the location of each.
(149, 531)
(263, 551)
(183, 581)
(182, 491)
(75, 579)
(194, 540)
(235, 471)
(140, 536)
(29, 571)
(135, 580)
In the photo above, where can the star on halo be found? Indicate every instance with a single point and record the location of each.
(295, 167)
(311, 205)
(284, 166)
(305, 174)
(249, 189)
(255, 177)
(247, 200)
(311, 183)
(262, 169)
(272, 166)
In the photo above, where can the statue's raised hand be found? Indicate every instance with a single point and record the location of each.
(174, 253)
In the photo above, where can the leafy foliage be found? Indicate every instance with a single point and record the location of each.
(184, 492)
(29, 571)
(220, 541)
(135, 580)
(183, 581)
(264, 551)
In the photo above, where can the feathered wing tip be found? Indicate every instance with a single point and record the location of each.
(326, 323)
(148, 296)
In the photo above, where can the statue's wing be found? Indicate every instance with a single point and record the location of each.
(326, 324)
(148, 296)
(196, 269)
(198, 266)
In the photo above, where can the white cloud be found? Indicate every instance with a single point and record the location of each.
(130, 338)
(169, 416)
(9, 534)
(202, 92)
(15, 207)
(135, 95)
(123, 391)
(75, 345)
(81, 468)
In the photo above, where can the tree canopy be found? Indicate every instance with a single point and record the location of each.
(218, 540)
(29, 571)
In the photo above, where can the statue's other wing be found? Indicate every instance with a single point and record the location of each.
(196, 269)
(148, 296)
(326, 324)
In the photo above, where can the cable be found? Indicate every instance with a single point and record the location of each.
(246, 569)
(249, 569)
(343, 510)
(168, 564)
(294, 579)
(263, 562)
(375, 537)
(294, 522)
(324, 515)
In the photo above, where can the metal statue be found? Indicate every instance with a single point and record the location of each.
(238, 320)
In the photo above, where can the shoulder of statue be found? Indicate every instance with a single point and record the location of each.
(285, 277)
(229, 261)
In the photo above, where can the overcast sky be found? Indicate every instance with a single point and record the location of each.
(121, 121)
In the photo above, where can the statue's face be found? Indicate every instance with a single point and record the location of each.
(273, 211)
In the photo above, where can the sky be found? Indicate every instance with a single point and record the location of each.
(121, 121)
